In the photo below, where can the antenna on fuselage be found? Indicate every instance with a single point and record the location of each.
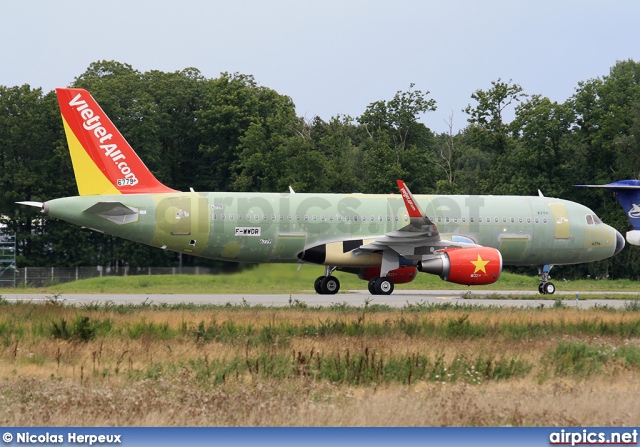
(291, 190)
(540, 193)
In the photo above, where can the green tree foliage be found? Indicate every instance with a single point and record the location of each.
(338, 143)
(34, 166)
(487, 117)
(396, 144)
(539, 151)
(606, 148)
(489, 133)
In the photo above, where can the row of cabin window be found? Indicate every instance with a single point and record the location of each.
(488, 220)
(339, 218)
(314, 217)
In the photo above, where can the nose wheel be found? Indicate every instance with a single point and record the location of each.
(547, 287)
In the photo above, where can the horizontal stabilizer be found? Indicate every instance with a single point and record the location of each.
(116, 212)
(34, 204)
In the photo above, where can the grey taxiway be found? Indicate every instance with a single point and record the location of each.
(400, 298)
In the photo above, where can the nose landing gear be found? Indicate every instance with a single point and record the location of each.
(546, 287)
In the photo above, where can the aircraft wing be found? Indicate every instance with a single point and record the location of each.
(418, 239)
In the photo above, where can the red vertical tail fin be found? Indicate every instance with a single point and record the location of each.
(103, 161)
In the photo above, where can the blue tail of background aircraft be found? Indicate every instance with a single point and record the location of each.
(628, 194)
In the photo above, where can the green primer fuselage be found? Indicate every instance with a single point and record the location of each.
(271, 227)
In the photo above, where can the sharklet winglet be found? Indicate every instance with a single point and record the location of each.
(417, 215)
(413, 208)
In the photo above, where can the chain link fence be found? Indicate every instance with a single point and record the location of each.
(47, 276)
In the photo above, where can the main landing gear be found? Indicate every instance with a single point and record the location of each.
(546, 287)
(327, 284)
(380, 286)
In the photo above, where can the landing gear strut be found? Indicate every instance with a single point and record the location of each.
(327, 284)
(546, 287)
(382, 285)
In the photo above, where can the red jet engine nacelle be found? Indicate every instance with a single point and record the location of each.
(467, 266)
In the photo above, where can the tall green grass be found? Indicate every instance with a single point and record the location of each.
(445, 321)
(361, 368)
(580, 359)
(263, 347)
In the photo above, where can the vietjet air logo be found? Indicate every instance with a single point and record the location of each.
(634, 212)
(91, 123)
(408, 200)
(480, 265)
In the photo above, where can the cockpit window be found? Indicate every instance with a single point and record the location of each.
(592, 219)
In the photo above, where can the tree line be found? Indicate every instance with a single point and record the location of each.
(231, 134)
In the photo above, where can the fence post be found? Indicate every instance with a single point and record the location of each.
(25, 276)
(76, 272)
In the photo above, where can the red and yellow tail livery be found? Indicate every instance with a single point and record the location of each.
(103, 161)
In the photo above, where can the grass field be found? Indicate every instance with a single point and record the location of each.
(186, 365)
(421, 365)
(286, 278)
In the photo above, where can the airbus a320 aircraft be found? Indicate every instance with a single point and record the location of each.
(384, 239)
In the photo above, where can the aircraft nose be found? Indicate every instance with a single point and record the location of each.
(619, 243)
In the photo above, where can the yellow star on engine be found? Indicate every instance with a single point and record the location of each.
(480, 265)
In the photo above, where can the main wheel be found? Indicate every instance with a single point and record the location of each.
(549, 288)
(372, 285)
(317, 285)
(384, 286)
(541, 289)
(330, 285)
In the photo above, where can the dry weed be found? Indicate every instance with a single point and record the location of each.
(140, 377)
